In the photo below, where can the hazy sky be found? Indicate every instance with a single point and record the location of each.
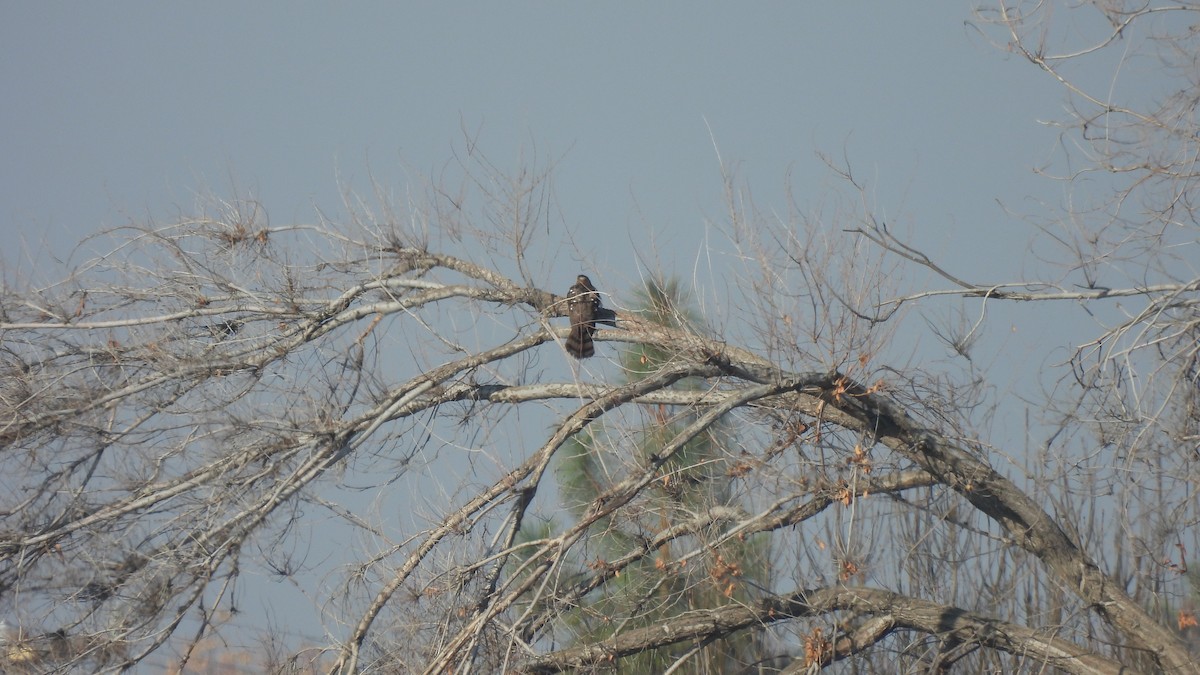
(119, 112)
(110, 115)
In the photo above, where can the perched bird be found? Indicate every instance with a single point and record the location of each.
(583, 302)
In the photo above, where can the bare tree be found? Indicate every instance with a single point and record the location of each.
(370, 410)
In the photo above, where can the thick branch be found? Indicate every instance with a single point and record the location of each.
(902, 612)
(1031, 527)
(347, 662)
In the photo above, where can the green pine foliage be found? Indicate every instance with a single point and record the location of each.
(685, 573)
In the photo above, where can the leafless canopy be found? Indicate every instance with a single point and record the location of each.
(378, 416)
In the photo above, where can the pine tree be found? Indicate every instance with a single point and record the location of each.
(684, 573)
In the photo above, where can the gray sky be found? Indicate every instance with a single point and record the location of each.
(110, 115)
(114, 113)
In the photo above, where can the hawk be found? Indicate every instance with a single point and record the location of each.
(583, 302)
